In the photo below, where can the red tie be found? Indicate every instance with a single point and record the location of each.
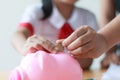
(65, 31)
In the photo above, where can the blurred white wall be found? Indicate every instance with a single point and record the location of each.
(92, 5)
(10, 14)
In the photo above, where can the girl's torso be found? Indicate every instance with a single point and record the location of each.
(50, 27)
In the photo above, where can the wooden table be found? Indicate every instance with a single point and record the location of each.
(97, 74)
(4, 75)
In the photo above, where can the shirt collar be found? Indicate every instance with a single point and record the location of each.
(57, 20)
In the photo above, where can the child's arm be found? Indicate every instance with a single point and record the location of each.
(19, 39)
(86, 43)
(111, 32)
(107, 12)
(25, 43)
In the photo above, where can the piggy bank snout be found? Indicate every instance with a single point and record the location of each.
(18, 74)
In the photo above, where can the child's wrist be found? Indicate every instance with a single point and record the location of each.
(105, 42)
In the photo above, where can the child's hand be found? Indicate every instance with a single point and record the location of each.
(58, 48)
(35, 43)
(85, 43)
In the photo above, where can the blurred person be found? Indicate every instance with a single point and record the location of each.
(109, 10)
(42, 24)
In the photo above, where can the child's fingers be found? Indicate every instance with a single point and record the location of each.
(43, 44)
(84, 49)
(58, 48)
(60, 41)
(89, 54)
(48, 45)
(83, 40)
(39, 47)
(32, 50)
(80, 31)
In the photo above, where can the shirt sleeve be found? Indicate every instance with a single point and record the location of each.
(31, 15)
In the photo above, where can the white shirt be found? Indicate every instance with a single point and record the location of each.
(50, 27)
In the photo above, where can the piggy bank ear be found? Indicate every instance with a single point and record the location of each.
(18, 74)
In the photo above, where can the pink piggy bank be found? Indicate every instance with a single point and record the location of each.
(44, 66)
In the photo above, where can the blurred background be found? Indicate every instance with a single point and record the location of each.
(10, 15)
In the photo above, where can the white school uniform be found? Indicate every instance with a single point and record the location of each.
(50, 27)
